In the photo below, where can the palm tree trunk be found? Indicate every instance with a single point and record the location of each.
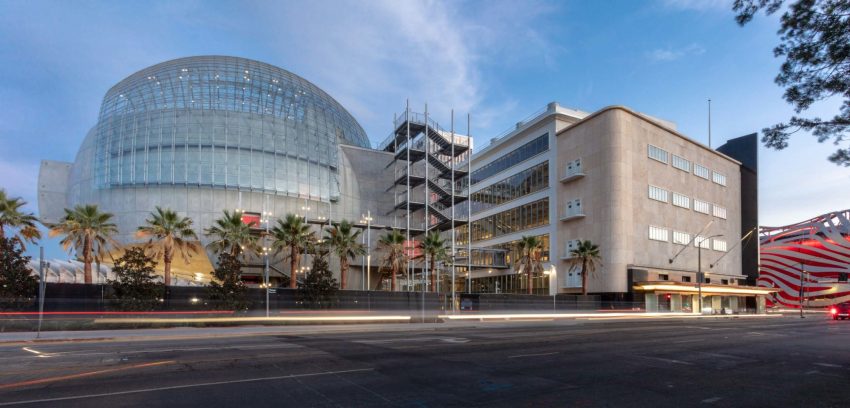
(392, 279)
(584, 277)
(528, 270)
(343, 272)
(166, 266)
(87, 261)
(433, 275)
(293, 250)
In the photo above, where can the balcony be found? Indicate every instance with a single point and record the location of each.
(572, 171)
(572, 210)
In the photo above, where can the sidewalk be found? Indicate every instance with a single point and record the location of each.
(449, 322)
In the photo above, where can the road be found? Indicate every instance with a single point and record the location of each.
(779, 362)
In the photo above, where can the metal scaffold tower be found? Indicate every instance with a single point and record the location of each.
(431, 183)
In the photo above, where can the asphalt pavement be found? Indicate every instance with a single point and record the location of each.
(770, 362)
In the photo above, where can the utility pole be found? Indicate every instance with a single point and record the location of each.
(709, 123)
(41, 287)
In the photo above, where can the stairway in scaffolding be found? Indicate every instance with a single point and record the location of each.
(431, 169)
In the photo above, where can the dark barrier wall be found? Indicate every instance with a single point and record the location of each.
(490, 302)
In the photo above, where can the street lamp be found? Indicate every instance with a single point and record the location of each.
(266, 219)
(699, 242)
(552, 273)
(367, 219)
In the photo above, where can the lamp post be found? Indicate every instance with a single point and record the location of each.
(552, 273)
(699, 242)
(266, 219)
(367, 219)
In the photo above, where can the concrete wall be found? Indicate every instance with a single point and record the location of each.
(612, 144)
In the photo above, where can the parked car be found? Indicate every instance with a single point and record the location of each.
(840, 311)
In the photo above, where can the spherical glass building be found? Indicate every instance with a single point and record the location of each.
(203, 134)
(222, 121)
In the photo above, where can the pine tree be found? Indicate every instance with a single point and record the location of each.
(137, 286)
(18, 286)
(227, 291)
(318, 288)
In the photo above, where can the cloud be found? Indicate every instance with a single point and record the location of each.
(670, 54)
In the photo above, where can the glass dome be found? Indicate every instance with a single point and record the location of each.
(223, 122)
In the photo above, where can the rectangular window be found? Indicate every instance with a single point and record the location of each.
(680, 200)
(658, 233)
(516, 219)
(701, 171)
(522, 153)
(718, 178)
(681, 238)
(702, 206)
(719, 212)
(663, 277)
(657, 193)
(658, 153)
(518, 185)
(686, 278)
(724, 281)
(681, 163)
(719, 245)
(701, 242)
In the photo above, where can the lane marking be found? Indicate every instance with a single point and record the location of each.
(828, 365)
(36, 352)
(533, 355)
(82, 375)
(667, 360)
(711, 400)
(178, 387)
(688, 341)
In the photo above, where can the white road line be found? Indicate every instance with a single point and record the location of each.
(667, 360)
(711, 400)
(533, 355)
(828, 365)
(178, 387)
(688, 341)
(36, 352)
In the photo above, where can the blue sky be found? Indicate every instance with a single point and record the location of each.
(497, 60)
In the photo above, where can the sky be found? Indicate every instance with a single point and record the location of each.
(497, 60)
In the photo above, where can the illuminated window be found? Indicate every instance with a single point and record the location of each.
(680, 200)
(658, 153)
(719, 245)
(658, 193)
(701, 171)
(719, 212)
(702, 206)
(658, 233)
(701, 242)
(681, 238)
(681, 163)
(718, 178)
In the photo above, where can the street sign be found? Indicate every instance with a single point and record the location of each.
(272, 290)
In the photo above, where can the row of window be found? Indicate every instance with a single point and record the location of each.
(680, 200)
(684, 238)
(659, 154)
(521, 154)
(518, 185)
(532, 215)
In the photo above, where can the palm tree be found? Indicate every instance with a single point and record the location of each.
(395, 258)
(530, 251)
(171, 232)
(231, 234)
(11, 216)
(88, 231)
(292, 233)
(343, 240)
(433, 247)
(585, 256)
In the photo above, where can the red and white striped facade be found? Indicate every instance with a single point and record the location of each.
(820, 247)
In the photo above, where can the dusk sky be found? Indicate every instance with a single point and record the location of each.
(497, 60)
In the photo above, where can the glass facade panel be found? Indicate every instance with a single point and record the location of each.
(521, 184)
(658, 153)
(524, 217)
(524, 152)
(222, 121)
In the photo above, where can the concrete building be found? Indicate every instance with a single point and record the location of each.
(630, 183)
